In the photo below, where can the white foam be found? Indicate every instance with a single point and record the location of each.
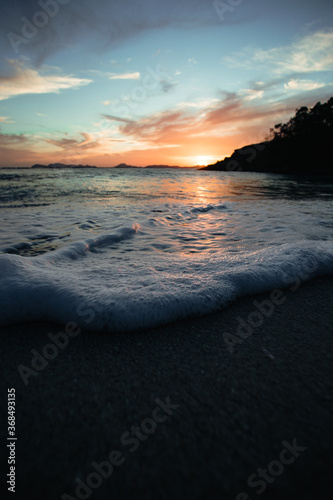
(204, 239)
(82, 248)
(211, 206)
(100, 293)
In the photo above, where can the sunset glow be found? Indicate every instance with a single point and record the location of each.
(204, 160)
(102, 85)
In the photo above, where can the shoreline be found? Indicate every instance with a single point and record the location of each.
(233, 409)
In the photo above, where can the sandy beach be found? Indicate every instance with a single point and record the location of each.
(188, 418)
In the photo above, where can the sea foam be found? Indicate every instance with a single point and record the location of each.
(119, 251)
(85, 282)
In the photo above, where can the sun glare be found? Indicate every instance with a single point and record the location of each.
(203, 160)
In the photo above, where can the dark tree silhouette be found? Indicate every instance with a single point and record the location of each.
(302, 145)
(314, 122)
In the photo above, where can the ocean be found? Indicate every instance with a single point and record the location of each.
(118, 250)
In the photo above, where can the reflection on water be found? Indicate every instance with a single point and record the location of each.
(180, 211)
(33, 187)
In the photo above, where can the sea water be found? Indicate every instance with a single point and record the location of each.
(126, 249)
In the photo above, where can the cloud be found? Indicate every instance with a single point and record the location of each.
(211, 117)
(167, 85)
(219, 125)
(199, 103)
(116, 119)
(164, 128)
(25, 80)
(305, 85)
(245, 121)
(125, 76)
(215, 125)
(252, 94)
(5, 119)
(86, 141)
(12, 139)
(100, 24)
(312, 53)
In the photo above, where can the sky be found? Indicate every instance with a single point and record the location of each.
(177, 82)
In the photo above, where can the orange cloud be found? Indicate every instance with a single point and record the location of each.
(175, 137)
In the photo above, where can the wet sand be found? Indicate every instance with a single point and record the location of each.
(229, 413)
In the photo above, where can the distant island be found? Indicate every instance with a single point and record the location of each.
(124, 165)
(121, 165)
(163, 166)
(303, 145)
(61, 165)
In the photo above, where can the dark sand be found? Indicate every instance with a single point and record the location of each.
(235, 410)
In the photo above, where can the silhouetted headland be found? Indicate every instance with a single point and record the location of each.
(303, 145)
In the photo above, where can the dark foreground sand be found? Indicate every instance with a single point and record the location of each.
(235, 409)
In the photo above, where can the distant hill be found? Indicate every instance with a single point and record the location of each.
(61, 165)
(303, 145)
(161, 166)
(123, 165)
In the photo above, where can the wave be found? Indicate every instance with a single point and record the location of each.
(9, 177)
(210, 206)
(92, 284)
(25, 205)
(82, 248)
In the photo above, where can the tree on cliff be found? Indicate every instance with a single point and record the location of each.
(303, 145)
(313, 122)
